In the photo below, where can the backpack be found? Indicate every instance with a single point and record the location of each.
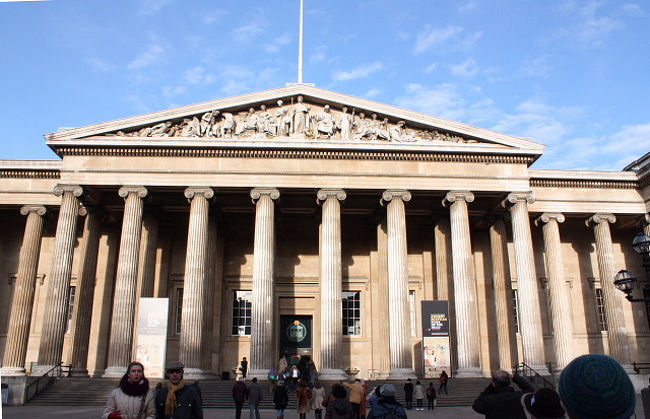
(391, 413)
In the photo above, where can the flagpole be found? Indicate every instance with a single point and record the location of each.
(300, 45)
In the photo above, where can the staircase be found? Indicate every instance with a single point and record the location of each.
(218, 393)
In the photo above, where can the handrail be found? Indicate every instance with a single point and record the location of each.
(50, 375)
(638, 366)
(534, 377)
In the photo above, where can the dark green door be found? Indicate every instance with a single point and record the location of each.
(295, 335)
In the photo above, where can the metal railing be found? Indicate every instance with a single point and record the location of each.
(42, 382)
(640, 366)
(536, 379)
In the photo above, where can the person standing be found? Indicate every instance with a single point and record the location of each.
(443, 382)
(131, 398)
(500, 400)
(337, 406)
(239, 395)
(295, 375)
(244, 367)
(431, 396)
(419, 395)
(356, 394)
(304, 396)
(280, 399)
(254, 398)
(178, 400)
(318, 395)
(408, 394)
(387, 406)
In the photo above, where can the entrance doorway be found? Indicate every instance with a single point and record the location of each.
(295, 337)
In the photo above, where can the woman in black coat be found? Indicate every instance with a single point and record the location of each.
(280, 399)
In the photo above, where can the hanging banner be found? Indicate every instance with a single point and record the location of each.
(151, 337)
(435, 338)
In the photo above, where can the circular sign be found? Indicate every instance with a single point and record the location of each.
(296, 332)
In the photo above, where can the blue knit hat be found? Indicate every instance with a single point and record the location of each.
(596, 386)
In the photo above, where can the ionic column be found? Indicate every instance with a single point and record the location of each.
(263, 312)
(13, 361)
(331, 277)
(502, 296)
(619, 347)
(210, 289)
(194, 285)
(55, 319)
(529, 311)
(147, 258)
(401, 364)
(85, 291)
(464, 285)
(123, 317)
(560, 304)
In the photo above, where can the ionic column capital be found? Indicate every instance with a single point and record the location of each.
(125, 191)
(191, 191)
(324, 194)
(600, 218)
(453, 196)
(75, 190)
(256, 193)
(391, 194)
(36, 209)
(548, 216)
(515, 197)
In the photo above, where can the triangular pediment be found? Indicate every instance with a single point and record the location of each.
(299, 113)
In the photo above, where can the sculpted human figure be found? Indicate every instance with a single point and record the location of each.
(300, 116)
(250, 123)
(207, 120)
(325, 122)
(161, 130)
(364, 129)
(398, 133)
(264, 120)
(382, 130)
(191, 128)
(346, 123)
(282, 120)
(228, 126)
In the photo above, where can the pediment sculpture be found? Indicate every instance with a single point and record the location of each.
(294, 120)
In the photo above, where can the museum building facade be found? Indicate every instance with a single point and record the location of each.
(300, 205)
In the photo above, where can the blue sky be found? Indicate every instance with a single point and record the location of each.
(573, 75)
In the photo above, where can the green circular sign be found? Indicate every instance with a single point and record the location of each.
(296, 332)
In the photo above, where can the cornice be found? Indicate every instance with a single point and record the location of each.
(584, 183)
(591, 179)
(29, 174)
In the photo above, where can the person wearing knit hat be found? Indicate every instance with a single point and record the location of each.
(596, 386)
(543, 404)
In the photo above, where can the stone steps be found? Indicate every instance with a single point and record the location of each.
(218, 393)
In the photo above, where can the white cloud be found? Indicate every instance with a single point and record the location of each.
(150, 7)
(632, 9)
(101, 65)
(197, 75)
(467, 69)
(213, 16)
(247, 33)
(468, 7)
(450, 38)
(372, 93)
(358, 72)
(431, 68)
(590, 27)
(443, 100)
(154, 53)
(319, 54)
(537, 67)
(277, 43)
(173, 91)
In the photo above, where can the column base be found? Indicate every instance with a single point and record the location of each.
(39, 370)
(78, 372)
(16, 386)
(12, 372)
(261, 375)
(332, 374)
(469, 372)
(401, 374)
(114, 372)
(197, 374)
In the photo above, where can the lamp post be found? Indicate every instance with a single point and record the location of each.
(626, 281)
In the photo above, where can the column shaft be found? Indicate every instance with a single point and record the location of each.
(619, 347)
(210, 289)
(401, 362)
(85, 291)
(13, 362)
(529, 309)
(124, 300)
(194, 286)
(55, 317)
(502, 296)
(560, 304)
(331, 287)
(464, 285)
(263, 309)
(147, 259)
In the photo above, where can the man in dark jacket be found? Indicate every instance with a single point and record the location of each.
(408, 394)
(387, 406)
(239, 395)
(337, 405)
(254, 398)
(500, 400)
(178, 400)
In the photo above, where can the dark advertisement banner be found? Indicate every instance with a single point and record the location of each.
(435, 318)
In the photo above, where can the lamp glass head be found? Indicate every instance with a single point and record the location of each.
(625, 281)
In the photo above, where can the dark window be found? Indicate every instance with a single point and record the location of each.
(515, 309)
(600, 306)
(71, 298)
(241, 313)
(352, 313)
(179, 309)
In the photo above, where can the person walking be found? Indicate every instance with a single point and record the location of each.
(304, 396)
(243, 367)
(131, 399)
(356, 394)
(443, 382)
(500, 400)
(337, 406)
(178, 400)
(387, 406)
(419, 395)
(280, 399)
(431, 396)
(408, 394)
(239, 395)
(317, 398)
(254, 398)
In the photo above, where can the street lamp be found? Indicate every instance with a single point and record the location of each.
(626, 281)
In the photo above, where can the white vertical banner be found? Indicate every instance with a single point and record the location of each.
(151, 337)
